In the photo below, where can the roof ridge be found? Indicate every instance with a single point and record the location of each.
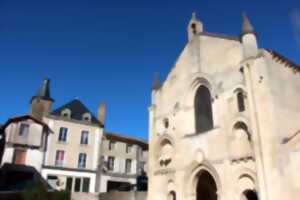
(78, 108)
(126, 136)
(284, 60)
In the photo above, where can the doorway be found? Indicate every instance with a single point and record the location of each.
(206, 187)
(250, 195)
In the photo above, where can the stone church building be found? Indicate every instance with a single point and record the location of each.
(224, 125)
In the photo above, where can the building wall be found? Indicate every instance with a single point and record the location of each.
(105, 178)
(118, 174)
(34, 157)
(236, 165)
(34, 138)
(8, 155)
(72, 146)
(33, 143)
(63, 174)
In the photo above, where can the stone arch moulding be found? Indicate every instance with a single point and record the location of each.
(239, 88)
(161, 143)
(245, 180)
(162, 138)
(246, 172)
(240, 118)
(191, 178)
(196, 81)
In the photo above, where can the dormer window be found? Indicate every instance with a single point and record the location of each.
(66, 113)
(86, 117)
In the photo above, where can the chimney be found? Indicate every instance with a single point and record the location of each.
(101, 113)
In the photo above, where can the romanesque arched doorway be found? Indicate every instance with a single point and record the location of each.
(206, 187)
(249, 195)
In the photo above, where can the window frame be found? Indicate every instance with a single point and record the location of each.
(129, 148)
(63, 134)
(241, 101)
(110, 163)
(58, 162)
(24, 126)
(111, 145)
(84, 140)
(128, 169)
(82, 158)
(203, 106)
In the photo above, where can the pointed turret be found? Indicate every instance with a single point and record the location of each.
(44, 91)
(247, 26)
(195, 27)
(41, 102)
(248, 38)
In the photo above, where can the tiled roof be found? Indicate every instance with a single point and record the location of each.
(285, 61)
(126, 139)
(22, 118)
(78, 109)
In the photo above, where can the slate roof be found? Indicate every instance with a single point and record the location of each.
(44, 91)
(246, 25)
(77, 109)
(126, 139)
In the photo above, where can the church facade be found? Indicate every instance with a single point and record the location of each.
(224, 124)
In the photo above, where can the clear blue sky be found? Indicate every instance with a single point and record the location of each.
(109, 50)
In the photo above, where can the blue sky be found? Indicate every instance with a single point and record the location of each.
(109, 51)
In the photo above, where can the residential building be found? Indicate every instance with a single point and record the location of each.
(74, 150)
(225, 122)
(2, 142)
(124, 159)
(26, 141)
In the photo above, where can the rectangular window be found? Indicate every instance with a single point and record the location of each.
(62, 137)
(82, 160)
(128, 148)
(86, 185)
(24, 129)
(69, 184)
(59, 158)
(142, 167)
(111, 163)
(128, 166)
(77, 185)
(111, 145)
(84, 137)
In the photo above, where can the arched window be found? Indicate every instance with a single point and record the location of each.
(203, 110)
(241, 101)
